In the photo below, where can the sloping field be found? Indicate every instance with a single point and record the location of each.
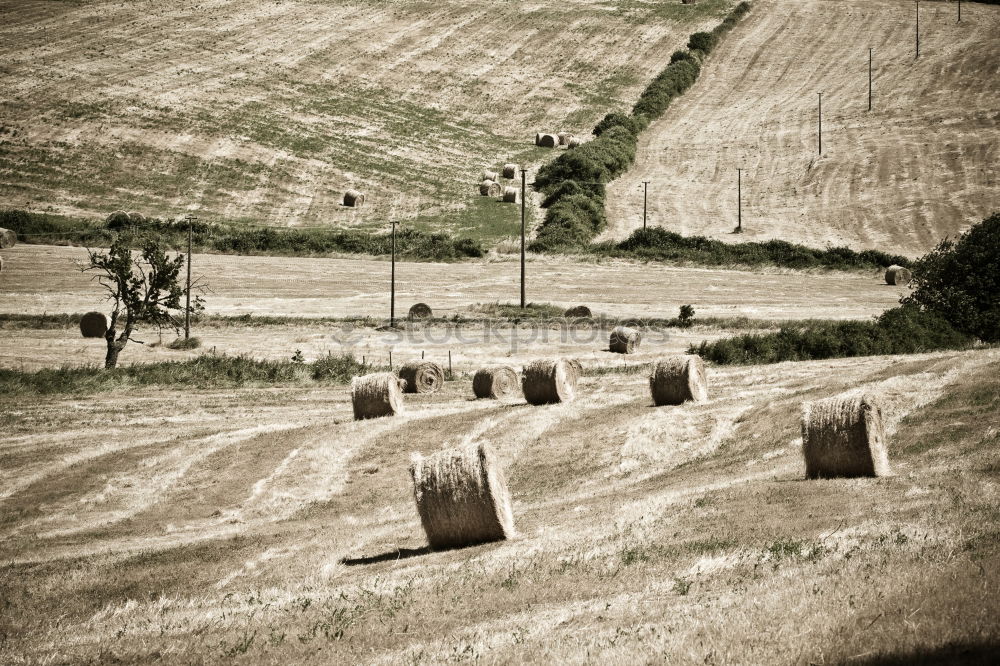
(270, 110)
(267, 525)
(919, 167)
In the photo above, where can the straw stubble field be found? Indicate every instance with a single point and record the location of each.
(267, 525)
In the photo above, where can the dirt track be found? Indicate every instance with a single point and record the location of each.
(919, 167)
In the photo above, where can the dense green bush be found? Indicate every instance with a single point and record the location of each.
(701, 41)
(617, 119)
(234, 239)
(960, 280)
(902, 330)
(671, 83)
(656, 243)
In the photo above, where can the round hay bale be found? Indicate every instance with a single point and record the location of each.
(354, 199)
(678, 379)
(7, 238)
(136, 218)
(624, 340)
(93, 325)
(547, 140)
(574, 142)
(495, 381)
(420, 311)
(510, 171)
(844, 436)
(898, 275)
(1, 264)
(490, 175)
(422, 376)
(462, 497)
(544, 382)
(576, 368)
(578, 311)
(489, 188)
(402, 384)
(375, 395)
(510, 195)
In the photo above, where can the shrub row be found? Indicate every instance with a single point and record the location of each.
(233, 239)
(574, 182)
(656, 243)
(903, 330)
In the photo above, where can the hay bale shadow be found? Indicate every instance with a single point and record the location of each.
(388, 556)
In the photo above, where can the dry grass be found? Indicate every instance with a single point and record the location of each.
(269, 525)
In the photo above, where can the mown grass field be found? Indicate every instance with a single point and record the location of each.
(264, 525)
(268, 111)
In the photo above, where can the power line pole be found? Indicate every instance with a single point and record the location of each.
(739, 200)
(645, 186)
(820, 124)
(187, 293)
(959, 11)
(523, 175)
(918, 28)
(392, 281)
(870, 78)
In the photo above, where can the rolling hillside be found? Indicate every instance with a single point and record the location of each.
(920, 166)
(268, 111)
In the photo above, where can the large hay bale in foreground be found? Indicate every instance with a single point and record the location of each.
(498, 382)
(624, 340)
(510, 171)
(898, 275)
(546, 140)
(93, 325)
(422, 376)
(420, 311)
(578, 311)
(678, 379)
(544, 382)
(354, 199)
(488, 188)
(510, 195)
(844, 436)
(7, 238)
(462, 497)
(376, 395)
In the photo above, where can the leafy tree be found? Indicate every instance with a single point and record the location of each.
(960, 281)
(143, 287)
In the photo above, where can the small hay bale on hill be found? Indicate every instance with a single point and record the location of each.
(689, 2)
(544, 382)
(462, 497)
(898, 275)
(574, 142)
(117, 219)
(375, 395)
(488, 188)
(7, 238)
(844, 436)
(490, 175)
(546, 140)
(678, 379)
(510, 171)
(498, 382)
(93, 325)
(624, 340)
(564, 138)
(422, 376)
(420, 311)
(354, 199)
(510, 195)
(1, 264)
(135, 217)
(578, 311)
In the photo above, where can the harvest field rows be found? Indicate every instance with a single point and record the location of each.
(920, 166)
(268, 111)
(268, 525)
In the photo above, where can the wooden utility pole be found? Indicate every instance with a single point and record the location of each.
(392, 284)
(918, 28)
(645, 186)
(870, 57)
(820, 124)
(523, 170)
(959, 11)
(739, 200)
(187, 292)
